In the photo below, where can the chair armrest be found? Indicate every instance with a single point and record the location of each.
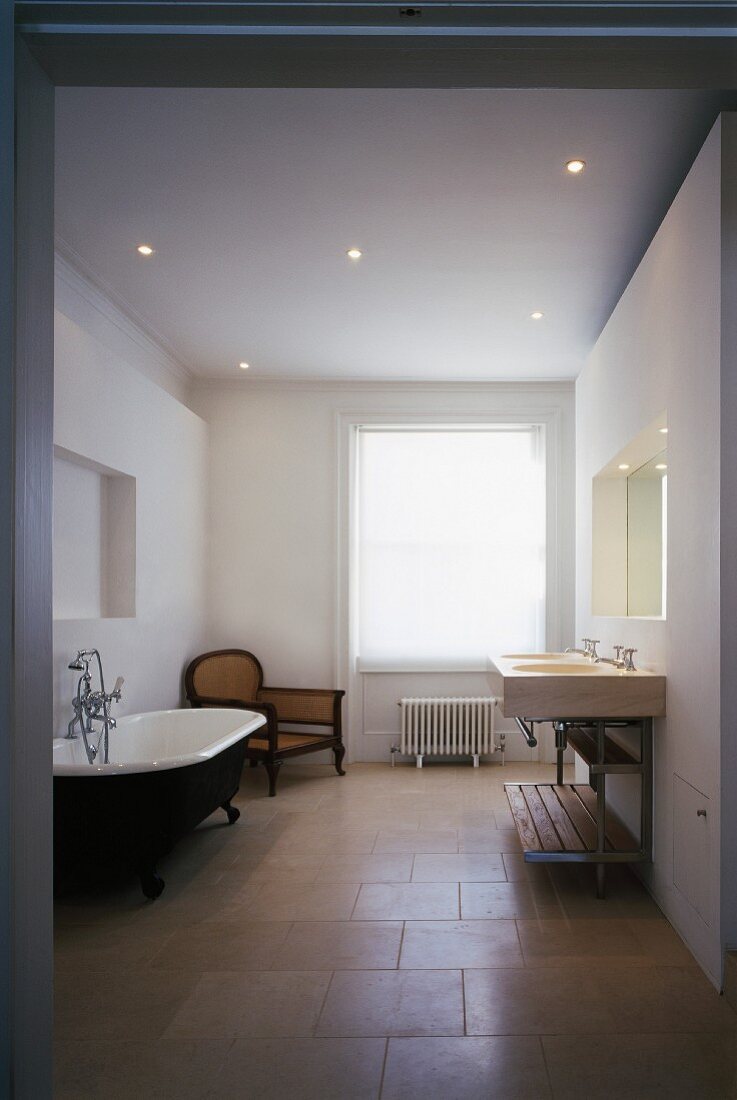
(265, 708)
(310, 706)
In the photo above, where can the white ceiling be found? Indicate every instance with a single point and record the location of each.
(459, 200)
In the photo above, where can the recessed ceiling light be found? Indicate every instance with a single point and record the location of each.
(145, 250)
(663, 431)
(354, 253)
(575, 167)
(623, 466)
(244, 366)
(661, 466)
(537, 315)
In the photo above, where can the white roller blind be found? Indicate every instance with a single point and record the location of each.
(450, 562)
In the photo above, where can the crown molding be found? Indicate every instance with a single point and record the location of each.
(529, 385)
(77, 273)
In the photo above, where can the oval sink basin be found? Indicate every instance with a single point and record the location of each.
(549, 669)
(532, 656)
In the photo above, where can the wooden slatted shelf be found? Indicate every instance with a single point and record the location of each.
(553, 819)
(616, 758)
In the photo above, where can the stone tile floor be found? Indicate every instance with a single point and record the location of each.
(375, 936)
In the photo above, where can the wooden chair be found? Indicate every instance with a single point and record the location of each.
(234, 678)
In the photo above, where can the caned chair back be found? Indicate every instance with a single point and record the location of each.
(225, 674)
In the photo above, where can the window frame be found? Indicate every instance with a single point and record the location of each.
(548, 419)
(445, 663)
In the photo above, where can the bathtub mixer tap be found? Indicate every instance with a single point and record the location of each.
(90, 706)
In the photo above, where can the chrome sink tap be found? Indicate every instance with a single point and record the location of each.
(629, 664)
(626, 664)
(614, 661)
(588, 651)
(90, 706)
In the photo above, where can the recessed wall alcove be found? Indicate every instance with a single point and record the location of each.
(94, 546)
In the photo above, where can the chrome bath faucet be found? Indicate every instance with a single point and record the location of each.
(90, 706)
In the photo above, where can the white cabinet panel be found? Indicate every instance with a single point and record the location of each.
(692, 856)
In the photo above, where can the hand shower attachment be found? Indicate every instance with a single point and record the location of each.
(90, 706)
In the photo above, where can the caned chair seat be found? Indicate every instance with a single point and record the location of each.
(234, 678)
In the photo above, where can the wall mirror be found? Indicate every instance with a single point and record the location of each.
(647, 489)
(629, 518)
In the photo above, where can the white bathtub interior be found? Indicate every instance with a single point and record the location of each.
(159, 740)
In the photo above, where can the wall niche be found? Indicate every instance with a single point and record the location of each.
(94, 539)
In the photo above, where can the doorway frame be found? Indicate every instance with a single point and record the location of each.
(64, 43)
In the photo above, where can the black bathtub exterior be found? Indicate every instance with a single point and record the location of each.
(111, 824)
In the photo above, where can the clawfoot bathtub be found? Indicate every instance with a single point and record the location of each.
(168, 771)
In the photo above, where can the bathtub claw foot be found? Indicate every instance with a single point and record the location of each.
(232, 811)
(152, 884)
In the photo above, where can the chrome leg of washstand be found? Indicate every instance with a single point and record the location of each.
(600, 810)
(646, 801)
(561, 744)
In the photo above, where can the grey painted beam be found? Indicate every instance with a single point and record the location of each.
(7, 170)
(426, 17)
(31, 936)
(152, 57)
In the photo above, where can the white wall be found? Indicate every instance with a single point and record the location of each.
(111, 409)
(277, 528)
(728, 533)
(661, 351)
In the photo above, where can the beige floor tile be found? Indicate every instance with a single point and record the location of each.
(456, 818)
(498, 1067)
(362, 844)
(234, 945)
(488, 840)
(119, 1004)
(340, 945)
(302, 1069)
(108, 908)
(434, 841)
(296, 901)
(182, 904)
(436, 945)
(535, 1002)
(371, 868)
(98, 947)
(518, 871)
(661, 942)
(114, 1069)
(408, 901)
(296, 891)
(664, 999)
(393, 1002)
(643, 1067)
(492, 900)
(459, 868)
(504, 819)
(276, 872)
(566, 942)
(226, 1005)
(625, 895)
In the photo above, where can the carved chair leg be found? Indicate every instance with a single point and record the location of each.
(272, 770)
(339, 753)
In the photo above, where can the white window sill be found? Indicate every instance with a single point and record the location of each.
(425, 664)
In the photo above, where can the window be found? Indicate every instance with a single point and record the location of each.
(450, 561)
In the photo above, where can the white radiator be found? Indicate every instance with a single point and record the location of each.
(448, 727)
